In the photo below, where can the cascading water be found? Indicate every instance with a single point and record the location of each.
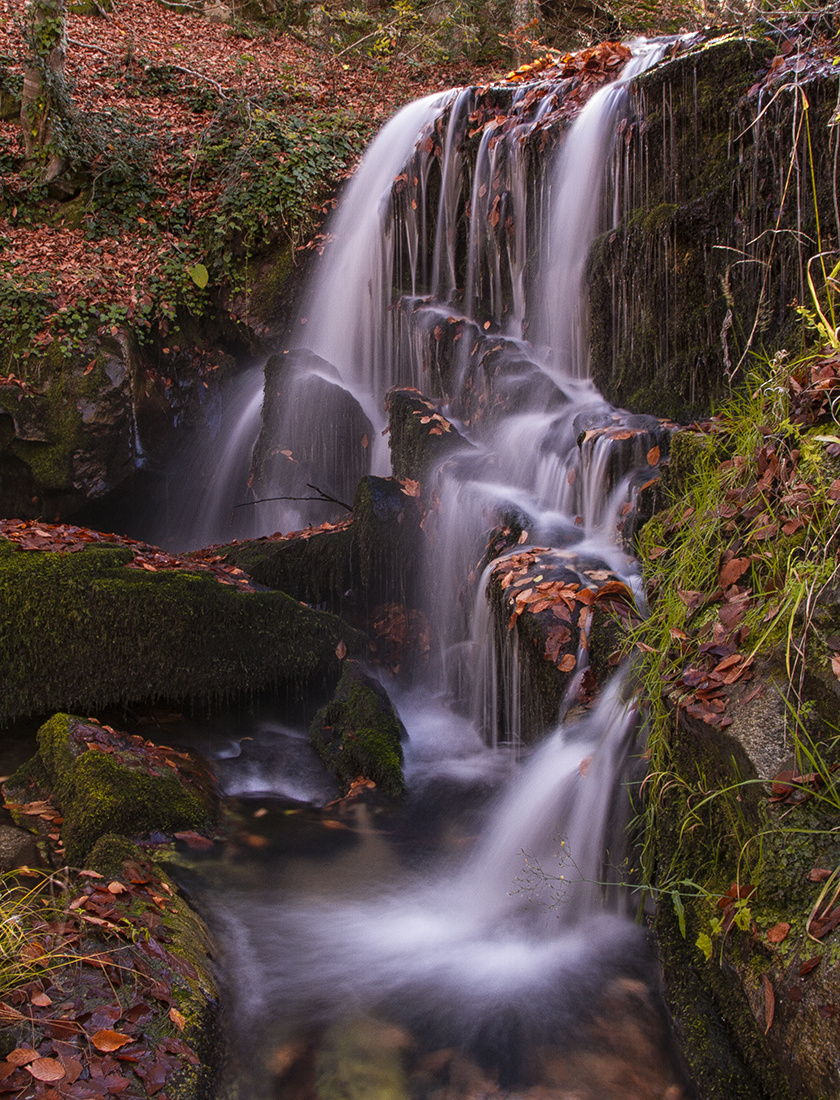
(507, 952)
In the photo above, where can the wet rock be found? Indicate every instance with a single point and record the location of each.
(362, 1060)
(314, 433)
(672, 309)
(420, 436)
(359, 734)
(565, 618)
(18, 848)
(367, 559)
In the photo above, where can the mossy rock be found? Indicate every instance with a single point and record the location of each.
(112, 784)
(358, 734)
(81, 632)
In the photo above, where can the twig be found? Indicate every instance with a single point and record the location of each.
(323, 498)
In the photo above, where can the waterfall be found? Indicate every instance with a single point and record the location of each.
(456, 265)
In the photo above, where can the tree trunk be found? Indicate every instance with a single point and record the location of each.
(43, 79)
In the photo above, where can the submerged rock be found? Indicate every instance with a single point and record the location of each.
(359, 733)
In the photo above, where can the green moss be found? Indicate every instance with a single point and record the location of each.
(358, 733)
(109, 854)
(80, 632)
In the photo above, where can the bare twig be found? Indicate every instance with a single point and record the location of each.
(323, 498)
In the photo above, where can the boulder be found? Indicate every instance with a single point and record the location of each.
(359, 734)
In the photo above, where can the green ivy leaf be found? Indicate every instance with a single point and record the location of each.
(199, 275)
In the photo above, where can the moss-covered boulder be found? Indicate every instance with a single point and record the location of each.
(81, 631)
(109, 783)
(358, 734)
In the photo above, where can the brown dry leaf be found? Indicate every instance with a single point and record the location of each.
(584, 764)
(177, 1019)
(835, 665)
(341, 651)
(107, 1040)
(732, 571)
(653, 456)
(41, 1000)
(809, 965)
(22, 1056)
(568, 663)
(818, 874)
(46, 1069)
(410, 488)
(778, 933)
(769, 1003)
(116, 888)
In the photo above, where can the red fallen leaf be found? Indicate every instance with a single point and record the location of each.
(107, 1040)
(778, 933)
(795, 994)
(22, 1056)
(809, 965)
(115, 1083)
(46, 1069)
(769, 1003)
(828, 1012)
(732, 571)
(41, 1000)
(196, 841)
(821, 925)
(782, 786)
(6, 1070)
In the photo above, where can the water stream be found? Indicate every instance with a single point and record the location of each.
(478, 942)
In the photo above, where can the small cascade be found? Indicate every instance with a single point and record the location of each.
(456, 267)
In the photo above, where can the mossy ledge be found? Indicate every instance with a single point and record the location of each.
(81, 632)
(358, 734)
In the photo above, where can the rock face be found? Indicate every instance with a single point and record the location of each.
(87, 420)
(705, 261)
(314, 432)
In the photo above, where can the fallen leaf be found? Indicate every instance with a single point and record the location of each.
(778, 933)
(22, 1056)
(46, 1069)
(177, 1019)
(769, 1003)
(341, 651)
(809, 965)
(107, 1040)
